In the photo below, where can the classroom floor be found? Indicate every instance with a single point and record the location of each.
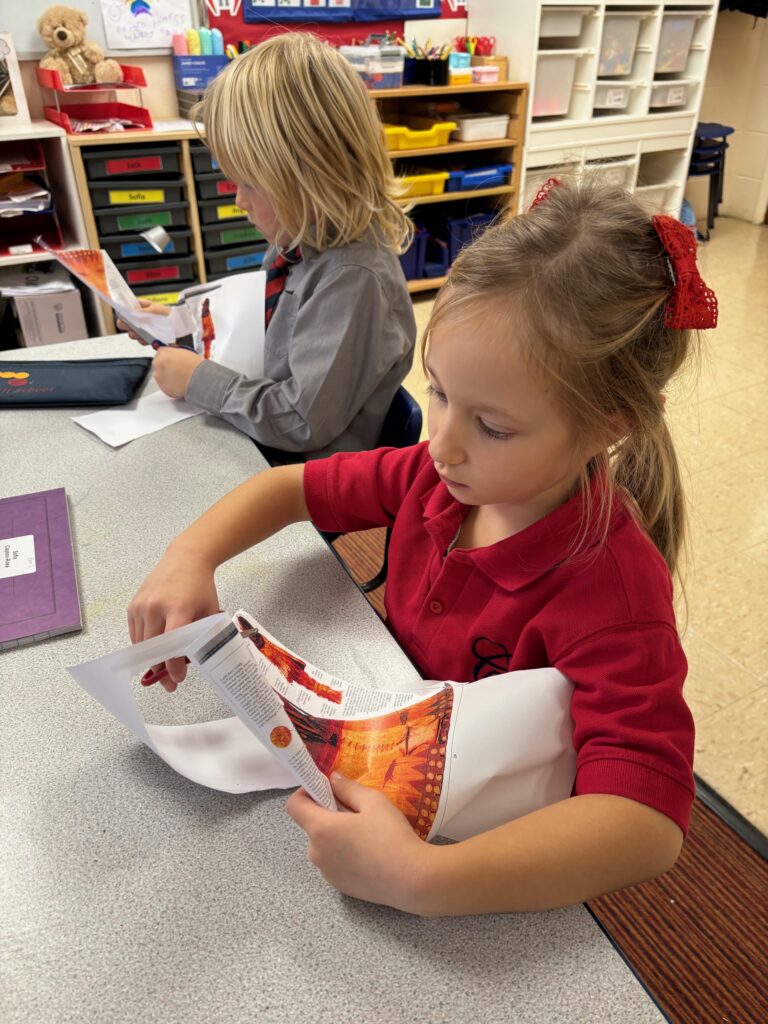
(718, 417)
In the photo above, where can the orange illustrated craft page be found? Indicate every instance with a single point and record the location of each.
(456, 758)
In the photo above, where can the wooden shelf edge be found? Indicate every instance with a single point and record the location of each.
(452, 147)
(406, 91)
(425, 284)
(449, 197)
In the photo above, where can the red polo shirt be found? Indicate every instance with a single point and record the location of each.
(604, 618)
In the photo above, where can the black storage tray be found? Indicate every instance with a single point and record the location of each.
(237, 232)
(131, 247)
(160, 271)
(210, 210)
(215, 186)
(118, 219)
(154, 291)
(128, 161)
(203, 160)
(228, 261)
(147, 191)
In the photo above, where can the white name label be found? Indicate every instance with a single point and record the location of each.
(17, 556)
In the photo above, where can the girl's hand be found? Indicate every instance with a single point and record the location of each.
(179, 590)
(146, 307)
(173, 367)
(371, 853)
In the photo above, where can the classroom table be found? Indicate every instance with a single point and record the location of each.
(133, 895)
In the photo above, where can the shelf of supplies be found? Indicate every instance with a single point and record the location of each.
(406, 91)
(453, 147)
(448, 197)
(425, 284)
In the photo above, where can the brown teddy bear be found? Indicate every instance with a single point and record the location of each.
(78, 62)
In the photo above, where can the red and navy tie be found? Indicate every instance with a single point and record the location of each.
(276, 277)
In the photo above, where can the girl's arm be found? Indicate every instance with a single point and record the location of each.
(181, 587)
(569, 852)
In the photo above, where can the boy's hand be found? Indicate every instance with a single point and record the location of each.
(179, 590)
(371, 853)
(173, 367)
(146, 307)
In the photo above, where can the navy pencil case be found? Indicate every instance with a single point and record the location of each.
(70, 382)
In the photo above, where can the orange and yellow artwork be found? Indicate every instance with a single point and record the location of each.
(401, 753)
(289, 666)
(87, 264)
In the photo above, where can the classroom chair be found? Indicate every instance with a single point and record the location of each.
(708, 160)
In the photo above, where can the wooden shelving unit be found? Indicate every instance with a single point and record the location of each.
(502, 97)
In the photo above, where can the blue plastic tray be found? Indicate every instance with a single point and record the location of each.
(478, 177)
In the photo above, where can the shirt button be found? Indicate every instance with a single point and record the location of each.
(436, 607)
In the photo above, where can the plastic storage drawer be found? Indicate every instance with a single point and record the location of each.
(229, 261)
(427, 183)
(437, 258)
(418, 133)
(215, 236)
(675, 41)
(555, 72)
(109, 162)
(617, 49)
(131, 218)
(160, 271)
(135, 192)
(461, 231)
(561, 23)
(478, 177)
(214, 186)
(203, 160)
(157, 293)
(412, 260)
(611, 95)
(619, 173)
(127, 247)
(479, 127)
(669, 94)
(218, 211)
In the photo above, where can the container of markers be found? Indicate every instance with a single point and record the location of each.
(431, 72)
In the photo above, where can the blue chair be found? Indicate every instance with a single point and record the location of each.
(402, 428)
(708, 160)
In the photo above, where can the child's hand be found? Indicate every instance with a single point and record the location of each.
(179, 590)
(371, 853)
(173, 368)
(146, 307)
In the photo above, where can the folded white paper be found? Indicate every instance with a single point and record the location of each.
(144, 415)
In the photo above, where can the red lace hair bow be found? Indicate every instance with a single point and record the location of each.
(692, 304)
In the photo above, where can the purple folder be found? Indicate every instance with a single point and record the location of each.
(38, 585)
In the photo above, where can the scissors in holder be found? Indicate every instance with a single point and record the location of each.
(485, 45)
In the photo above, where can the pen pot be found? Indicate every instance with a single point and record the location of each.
(410, 68)
(431, 72)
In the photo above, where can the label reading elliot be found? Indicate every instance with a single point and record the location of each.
(17, 556)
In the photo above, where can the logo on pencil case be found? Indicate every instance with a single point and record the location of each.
(14, 379)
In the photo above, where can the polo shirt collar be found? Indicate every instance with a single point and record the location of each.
(521, 559)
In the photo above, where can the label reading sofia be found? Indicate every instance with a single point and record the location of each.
(17, 556)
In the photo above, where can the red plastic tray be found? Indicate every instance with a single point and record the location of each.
(98, 111)
(133, 78)
(22, 230)
(22, 147)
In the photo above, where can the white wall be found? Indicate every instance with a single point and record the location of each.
(736, 93)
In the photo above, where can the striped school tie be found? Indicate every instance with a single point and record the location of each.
(276, 278)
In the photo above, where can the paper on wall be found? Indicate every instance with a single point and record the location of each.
(456, 758)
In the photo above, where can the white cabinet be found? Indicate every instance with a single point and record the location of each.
(615, 88)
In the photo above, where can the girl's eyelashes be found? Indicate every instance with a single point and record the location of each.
(497, 435)
(432, 390)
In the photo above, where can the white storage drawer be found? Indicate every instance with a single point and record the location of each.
(669, 94)
(478, 127)
(612, 95)
(675, 41)
(617, 49)
(656, 198)
(562, 22)
(619, 173)
(555, 72)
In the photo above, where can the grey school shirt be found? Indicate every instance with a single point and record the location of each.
(337, 347)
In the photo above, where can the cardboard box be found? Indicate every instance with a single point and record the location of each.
(50, 317)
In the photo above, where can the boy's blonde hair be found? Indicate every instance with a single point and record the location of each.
(582, 282)
(292, 117)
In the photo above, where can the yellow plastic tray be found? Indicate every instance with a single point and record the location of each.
(414, 136)
(432, 184)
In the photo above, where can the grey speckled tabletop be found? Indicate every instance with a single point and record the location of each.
(132, 895)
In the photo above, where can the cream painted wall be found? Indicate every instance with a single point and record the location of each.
(736, 94)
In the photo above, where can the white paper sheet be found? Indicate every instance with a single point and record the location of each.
(144, 415)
